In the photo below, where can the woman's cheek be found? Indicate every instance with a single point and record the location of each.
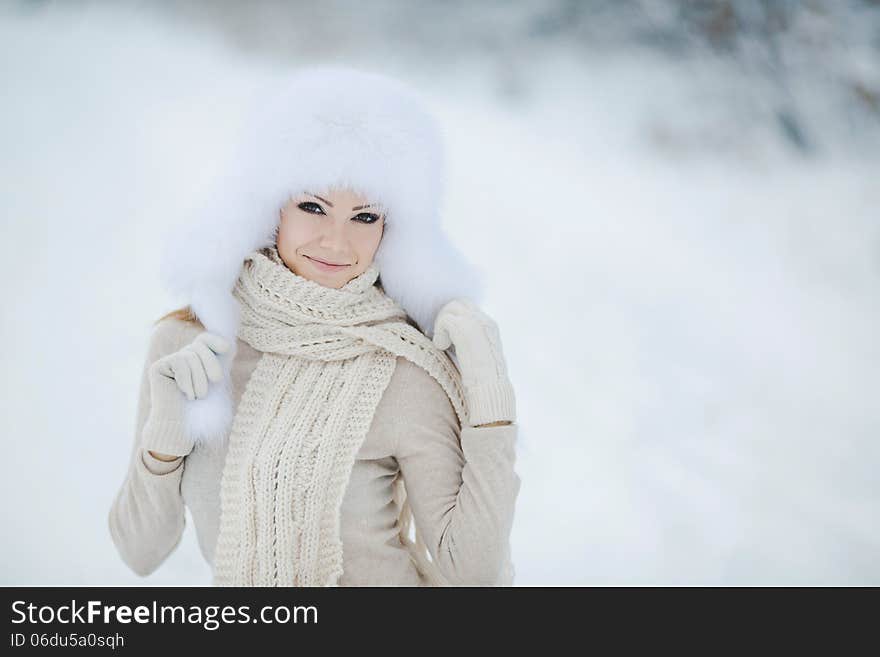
(370, 243)
(298, 233)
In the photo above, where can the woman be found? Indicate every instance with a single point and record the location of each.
(297, 406)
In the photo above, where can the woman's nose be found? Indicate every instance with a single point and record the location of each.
(333, 235)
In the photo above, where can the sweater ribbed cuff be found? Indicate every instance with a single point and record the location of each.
(491, 402)
(166, 437)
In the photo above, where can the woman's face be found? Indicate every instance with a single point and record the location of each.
(339, 228)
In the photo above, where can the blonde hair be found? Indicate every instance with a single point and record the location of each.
(185, 314)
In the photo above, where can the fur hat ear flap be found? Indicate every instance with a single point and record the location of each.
(443, 273)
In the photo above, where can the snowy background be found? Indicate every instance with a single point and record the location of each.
(677, 205)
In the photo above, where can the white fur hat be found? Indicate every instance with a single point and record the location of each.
(325, 126)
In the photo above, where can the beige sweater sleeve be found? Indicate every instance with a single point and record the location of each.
(147, 517)
(460, 482)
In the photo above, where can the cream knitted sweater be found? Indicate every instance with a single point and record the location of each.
(460, 482)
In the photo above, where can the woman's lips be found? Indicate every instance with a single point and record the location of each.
(324, 266)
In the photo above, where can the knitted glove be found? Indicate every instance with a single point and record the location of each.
(477, 344)
(181, 375)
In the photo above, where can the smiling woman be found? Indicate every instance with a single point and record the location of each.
(299, 405)
(329, 239)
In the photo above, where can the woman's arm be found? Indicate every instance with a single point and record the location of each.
(460, 482)
(147, 518)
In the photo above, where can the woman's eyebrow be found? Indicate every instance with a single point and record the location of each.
(357, 207)
(323, 199)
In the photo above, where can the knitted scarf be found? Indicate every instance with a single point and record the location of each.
(327, 356)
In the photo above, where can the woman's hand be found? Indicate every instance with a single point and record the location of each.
(184, 374)
(477, 342)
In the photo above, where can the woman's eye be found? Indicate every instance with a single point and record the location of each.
(367, 217)
(309, 206)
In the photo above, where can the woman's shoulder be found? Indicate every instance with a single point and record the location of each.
(414, 392)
